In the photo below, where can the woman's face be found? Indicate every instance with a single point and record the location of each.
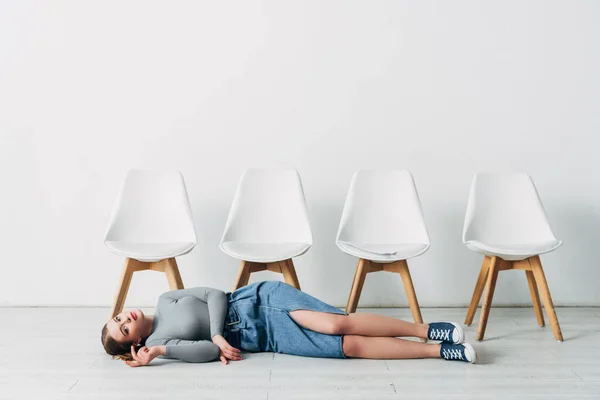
(128, 326)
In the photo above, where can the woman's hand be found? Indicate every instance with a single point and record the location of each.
(226, 350)
(144, 355)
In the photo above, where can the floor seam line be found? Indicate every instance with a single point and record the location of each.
(72, 386)
(577, 375)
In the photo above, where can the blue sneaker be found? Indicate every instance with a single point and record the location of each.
(458, 352)
(449, 332)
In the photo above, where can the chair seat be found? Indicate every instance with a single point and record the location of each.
(383, 252)
(149, 252)
(264, 252)
(513, 252)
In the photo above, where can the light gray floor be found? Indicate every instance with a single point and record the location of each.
(55, 353)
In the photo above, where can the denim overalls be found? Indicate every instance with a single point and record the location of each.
(258, 319)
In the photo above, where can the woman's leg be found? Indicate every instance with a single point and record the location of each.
(363, 324)
(387, 348)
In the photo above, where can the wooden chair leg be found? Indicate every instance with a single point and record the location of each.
(173, 276)
(487, 299)
(128, 269)
(411, 295)
(535, 298)
(289, 273)
(479, 286)
(243, 275)
(540, 278)
(357, 284)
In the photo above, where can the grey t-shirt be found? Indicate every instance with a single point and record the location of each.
(186, 320)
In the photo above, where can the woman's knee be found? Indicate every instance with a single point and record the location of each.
(351, 345)
(338, 325)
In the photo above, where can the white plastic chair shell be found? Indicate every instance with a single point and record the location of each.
(151, 219)
(505, 218)
(382, 219)
(268, 220)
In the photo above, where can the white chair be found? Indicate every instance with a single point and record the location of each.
(505, 221)
(267, 224)
(150, 225)
(382, 224)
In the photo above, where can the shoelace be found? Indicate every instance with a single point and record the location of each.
(440, 334)
(452, 354)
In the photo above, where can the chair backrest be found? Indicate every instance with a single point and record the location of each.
(505, 209)
(152, 207)
(268, 207)
(382, 207)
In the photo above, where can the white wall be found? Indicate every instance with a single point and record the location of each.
(445, 89)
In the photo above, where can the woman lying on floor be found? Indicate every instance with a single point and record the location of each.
(204, 324)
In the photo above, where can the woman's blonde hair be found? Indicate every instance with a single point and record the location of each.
(118, 351)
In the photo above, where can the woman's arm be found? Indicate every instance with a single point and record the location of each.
(215, 299)
(187, 350)
(190, 350)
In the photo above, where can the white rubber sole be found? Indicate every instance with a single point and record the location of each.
(460, 334)
(470, 353)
